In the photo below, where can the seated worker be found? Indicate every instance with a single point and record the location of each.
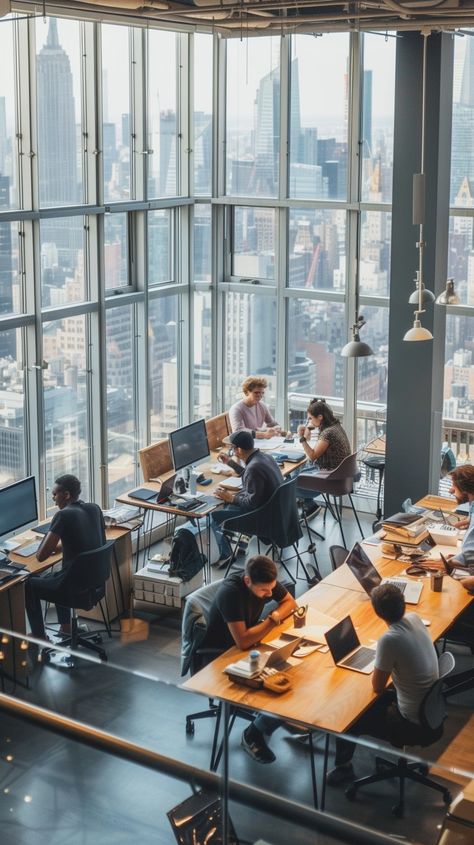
(78, 527)
(463, 489)
(251, 412)
(235, 619)
(404, 652)
(330, 449)
(260, 478)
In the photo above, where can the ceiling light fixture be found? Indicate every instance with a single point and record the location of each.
(356, 348)
(417, 332)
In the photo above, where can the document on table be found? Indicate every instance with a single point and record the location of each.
(270, 444)
(234, 483)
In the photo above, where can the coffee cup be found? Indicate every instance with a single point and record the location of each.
(299, 617)
(436, 580)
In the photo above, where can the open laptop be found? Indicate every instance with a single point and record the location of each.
(346, 650)
(278, 657)
(362, 567)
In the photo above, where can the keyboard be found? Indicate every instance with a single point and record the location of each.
(402, 585)
(28, 550)
(360, 659)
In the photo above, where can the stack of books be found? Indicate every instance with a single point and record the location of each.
(406, 528)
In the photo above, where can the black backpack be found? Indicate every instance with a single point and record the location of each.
(185, 558)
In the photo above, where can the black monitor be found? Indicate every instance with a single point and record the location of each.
(189, 444)
(18, 505)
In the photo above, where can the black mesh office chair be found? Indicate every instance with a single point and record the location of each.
(432, 715)
(85, 586)
(275, 524)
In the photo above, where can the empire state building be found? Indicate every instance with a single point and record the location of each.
(56, 124)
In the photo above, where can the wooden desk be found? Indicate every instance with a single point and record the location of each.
(324, 695)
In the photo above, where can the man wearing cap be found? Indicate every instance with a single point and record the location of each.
(260, 478)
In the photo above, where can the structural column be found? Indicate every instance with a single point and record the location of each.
(416, 370)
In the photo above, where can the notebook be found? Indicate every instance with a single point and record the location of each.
(143, 494)
(42, 529)
(368, 577)
(346, 650)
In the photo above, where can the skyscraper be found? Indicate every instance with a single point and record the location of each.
(462, 151)
(56, 124)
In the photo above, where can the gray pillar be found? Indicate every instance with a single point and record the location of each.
(416, 370)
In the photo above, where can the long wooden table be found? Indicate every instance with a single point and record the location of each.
(205, 490)
(323, 695)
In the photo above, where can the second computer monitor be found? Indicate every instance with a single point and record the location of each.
(18, 505)
(189, 444)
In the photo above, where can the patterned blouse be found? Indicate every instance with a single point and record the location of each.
(338, 449)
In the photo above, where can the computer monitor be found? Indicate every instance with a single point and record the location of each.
(189, 444)
(18, 505)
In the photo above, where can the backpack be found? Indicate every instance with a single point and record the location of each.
(185, 558)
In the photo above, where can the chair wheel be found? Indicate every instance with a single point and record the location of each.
(397, 810)
(350, 793)
(189, 728)
(447, 797)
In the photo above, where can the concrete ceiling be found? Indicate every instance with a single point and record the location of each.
(236, 18)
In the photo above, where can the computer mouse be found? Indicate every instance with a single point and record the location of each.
(200, 478)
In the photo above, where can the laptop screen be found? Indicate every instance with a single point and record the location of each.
(342, 639)
(363, 569)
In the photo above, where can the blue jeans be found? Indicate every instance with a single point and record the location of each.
(217, 519)
(267, 724)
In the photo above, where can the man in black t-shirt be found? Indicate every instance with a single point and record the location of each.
(235, 618)
(79, 527)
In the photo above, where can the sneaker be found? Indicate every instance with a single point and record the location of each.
(222, 562)
(340, 774)
(311, 509)
(256, 747)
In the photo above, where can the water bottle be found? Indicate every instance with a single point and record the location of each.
(254, 660)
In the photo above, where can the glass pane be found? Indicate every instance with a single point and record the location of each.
(247, 351)
(315, 336)
(202, 114)
(202, 243)
(10, 280)
(121, 427)
(115, 250)
(12, 407)
(58, 84)
(8, 159)
(461, 257)
(62, 260)
(253, 254)
(458, 408)
(377, 117)
(372, 375)
(159, 247)
(318, 116)
(202, 359)
(116, 112)
(162, 127)
(462, 140)
(65, 389)
(253, 119)
(374, 269)
(317, 249)
(164, 366)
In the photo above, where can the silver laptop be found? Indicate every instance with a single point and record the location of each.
(346, 650)
(362, 567)
(278, 657)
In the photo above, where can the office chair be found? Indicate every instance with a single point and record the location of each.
(337, 555)
(277, 525)
(432, 715)
(87, 576)
(193, 658)
(337, 482)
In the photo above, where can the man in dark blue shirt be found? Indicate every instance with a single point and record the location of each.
(79, 527)
(260, 477)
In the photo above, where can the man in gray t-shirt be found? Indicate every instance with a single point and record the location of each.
(406, 654)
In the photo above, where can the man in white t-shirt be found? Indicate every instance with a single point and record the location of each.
(406, 653)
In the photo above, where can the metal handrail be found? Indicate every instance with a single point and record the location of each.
(276, 806)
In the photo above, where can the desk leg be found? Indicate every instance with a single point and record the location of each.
(225, 774)
(325, 771)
